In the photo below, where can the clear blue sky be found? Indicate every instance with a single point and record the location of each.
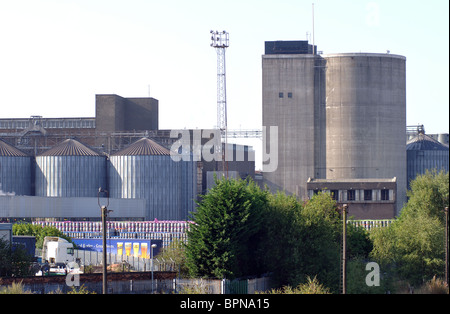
(55, 55)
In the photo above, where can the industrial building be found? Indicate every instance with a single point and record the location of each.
(425, 153)
(340, 117)
(341, 127)
(52, 168)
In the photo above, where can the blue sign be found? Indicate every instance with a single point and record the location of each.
(127, 247)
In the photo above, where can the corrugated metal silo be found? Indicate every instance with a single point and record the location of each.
(424, 153)
(146, 170)
(366, 118)
(70, 169)
(15, 170)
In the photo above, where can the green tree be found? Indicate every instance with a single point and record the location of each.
(39, 232)
(175, 252)
(302, 240)
(227, 220)
(414, 244)
(322, 240)
(14, 262)
(282, 230)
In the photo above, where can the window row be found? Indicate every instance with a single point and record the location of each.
(360, 195)
(50, 124)
(281, 95)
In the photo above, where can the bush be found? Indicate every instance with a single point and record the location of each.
(312, 286)
(15, 288)
(434, 286)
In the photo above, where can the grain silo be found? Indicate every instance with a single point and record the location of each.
(145, 170)
(338, 116)
(15, 170)
(425, 153)
(366, 118)
(70, 169)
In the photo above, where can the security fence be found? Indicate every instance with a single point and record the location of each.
(370, 224)
(224, 286)
(123, 262)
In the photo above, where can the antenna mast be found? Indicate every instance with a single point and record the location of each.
(313, 47)
(221, 41)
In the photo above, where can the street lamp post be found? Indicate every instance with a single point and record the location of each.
(104, 212)
(344, 248)
(151, 261)
(446, 244)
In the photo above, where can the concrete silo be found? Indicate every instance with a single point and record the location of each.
(425, 153)
(15, 170)
(366, 118)
(145, 170)
(70, 169)
(339, 117)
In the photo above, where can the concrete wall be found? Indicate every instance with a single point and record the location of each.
(68, 207)
(288, 102)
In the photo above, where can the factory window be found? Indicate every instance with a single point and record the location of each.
(335, 195)
(367, 195)
(351, 195)
(385, 195)
(289, 95)
(280, 95)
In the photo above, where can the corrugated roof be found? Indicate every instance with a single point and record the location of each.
(10, 151)
(424, 142)
(70, 147)
(144, 147)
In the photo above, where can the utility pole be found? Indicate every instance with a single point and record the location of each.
(344, 248)
(104, 212)
(221, 41)
(446, 244)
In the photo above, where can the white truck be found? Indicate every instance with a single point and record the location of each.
(57, 250)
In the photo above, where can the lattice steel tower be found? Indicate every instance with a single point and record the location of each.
(220, 41)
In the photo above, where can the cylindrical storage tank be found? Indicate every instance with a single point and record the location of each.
(366, 118)
(424, 153)
(70, 169)
(15, 170)
(145, 170)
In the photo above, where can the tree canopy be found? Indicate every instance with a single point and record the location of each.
(242, 230)
(413, 245)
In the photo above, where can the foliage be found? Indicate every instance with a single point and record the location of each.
(241, 230)
(356, 279)
(312, 286)
(39, 232)
(175, 252)
(308, 245)
(434, 286)
(226, 222)
(414, 243)
(282, 230)
(14, 288)
(359, 244)
(14, 262)
(80, 290)
(428, 195)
